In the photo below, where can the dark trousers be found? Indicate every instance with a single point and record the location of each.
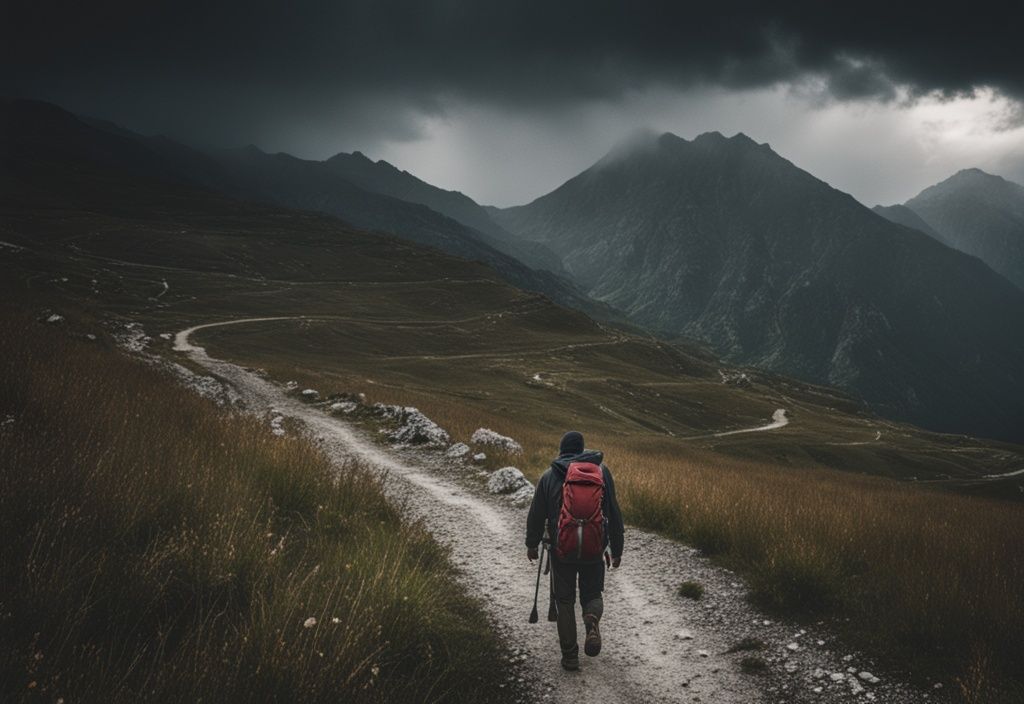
(564, 577)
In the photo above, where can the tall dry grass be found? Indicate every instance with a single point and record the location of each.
(155, 548)
(929, 578)
(928, 575)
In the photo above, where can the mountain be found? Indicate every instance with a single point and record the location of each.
(725, 241)
(902, 215)
(47, 149)
(286, 180)
(383, 178)
(980, 214)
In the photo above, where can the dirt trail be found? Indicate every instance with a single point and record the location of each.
(659, 647)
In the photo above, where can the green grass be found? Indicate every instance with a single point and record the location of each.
(156, 548)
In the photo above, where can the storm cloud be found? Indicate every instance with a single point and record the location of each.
(316, 76)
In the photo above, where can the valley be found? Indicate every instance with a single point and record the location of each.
(830, 519)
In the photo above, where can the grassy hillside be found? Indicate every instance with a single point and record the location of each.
(157, 548)
(930, 577)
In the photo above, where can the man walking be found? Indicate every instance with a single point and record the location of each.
(575, 501)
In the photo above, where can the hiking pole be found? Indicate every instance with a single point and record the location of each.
(536, 590)
(552, 609)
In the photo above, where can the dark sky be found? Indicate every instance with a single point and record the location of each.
(506, 100)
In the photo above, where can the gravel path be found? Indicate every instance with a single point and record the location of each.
(658, 646)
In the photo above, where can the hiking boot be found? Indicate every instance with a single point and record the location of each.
(571, 661)
(592, 645)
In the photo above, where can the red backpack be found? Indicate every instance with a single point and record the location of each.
(581, 521)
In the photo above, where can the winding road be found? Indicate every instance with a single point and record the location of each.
(659, 647)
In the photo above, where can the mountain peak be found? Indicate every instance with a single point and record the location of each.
(972, 180)
(974, 174)
(716, 138)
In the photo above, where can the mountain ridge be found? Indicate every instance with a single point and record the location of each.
(384, 178)
(726, 241)
(39, 138)
(978, 213)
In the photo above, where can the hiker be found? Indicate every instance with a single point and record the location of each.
(583, 530)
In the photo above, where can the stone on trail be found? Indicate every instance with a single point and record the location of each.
(310, 394)
(486, 436)
(522, 496)
(506, 481)
(457, 451)
(479, 457)
(414, 428)
(684, 634)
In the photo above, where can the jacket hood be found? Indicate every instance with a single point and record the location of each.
(562, 462)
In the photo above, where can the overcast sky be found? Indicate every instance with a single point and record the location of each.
(505, 101)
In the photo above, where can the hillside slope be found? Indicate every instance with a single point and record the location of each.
(902, 215)
(381, 177)
(45, 148)
(725, 241)
(980, 214)
(159, 548)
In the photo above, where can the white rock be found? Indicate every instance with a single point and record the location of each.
(485, 436)
(522, 496)
(507, 480)
(868, 677)
(479, 457)
(837, 676)
(820, 642)
(855, 686)
(790, 667)
(816, 690)
(793, 646)
(132, 337)
(458, 450)
(703, 653)
(818, 673)
(684, 634)
(309, 622)
(343, 406)
(310, 394)
(414, 427)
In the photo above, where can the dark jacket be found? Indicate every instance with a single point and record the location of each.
(547, 502)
